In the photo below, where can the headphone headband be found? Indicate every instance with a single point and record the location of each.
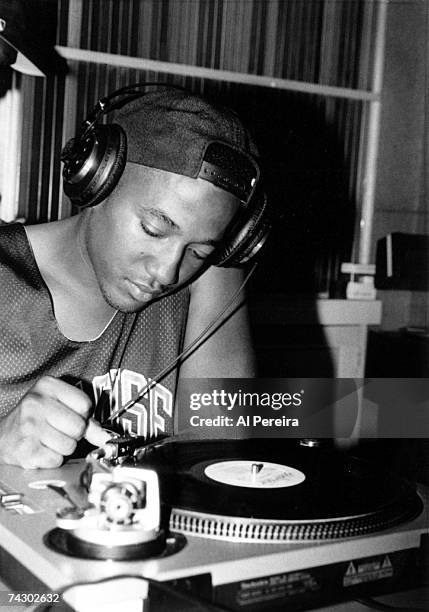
(105, 106)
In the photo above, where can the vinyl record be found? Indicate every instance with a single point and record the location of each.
(321, 492)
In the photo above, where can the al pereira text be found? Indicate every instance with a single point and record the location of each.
(254, 420)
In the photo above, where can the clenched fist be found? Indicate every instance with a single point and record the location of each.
(45, 426)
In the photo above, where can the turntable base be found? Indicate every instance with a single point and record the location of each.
(241, 576)
(412, 598)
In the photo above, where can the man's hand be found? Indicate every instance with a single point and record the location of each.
(45, 426)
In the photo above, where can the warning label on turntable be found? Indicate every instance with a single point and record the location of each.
(361, 571)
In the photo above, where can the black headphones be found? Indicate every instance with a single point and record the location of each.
(95, 159)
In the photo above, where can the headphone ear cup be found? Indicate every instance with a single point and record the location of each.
(94, 165)
(249, 239)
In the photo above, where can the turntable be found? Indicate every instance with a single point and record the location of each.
(247, 525)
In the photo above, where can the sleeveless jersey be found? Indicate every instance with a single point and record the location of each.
(112, 368)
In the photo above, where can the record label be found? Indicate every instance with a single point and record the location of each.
(254, 474)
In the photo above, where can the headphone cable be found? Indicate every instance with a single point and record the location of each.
(196, 343)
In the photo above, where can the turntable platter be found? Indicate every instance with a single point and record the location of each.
(277, 490)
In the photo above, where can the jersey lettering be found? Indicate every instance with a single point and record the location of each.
(148, 417)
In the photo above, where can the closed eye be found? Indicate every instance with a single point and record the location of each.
(151, 232)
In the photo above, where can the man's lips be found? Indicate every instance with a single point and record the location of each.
(140, 291)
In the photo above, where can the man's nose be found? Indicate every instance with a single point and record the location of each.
(165, 267)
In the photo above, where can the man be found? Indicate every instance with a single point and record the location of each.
(100, 303)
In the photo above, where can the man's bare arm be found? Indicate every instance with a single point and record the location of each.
(228, 352)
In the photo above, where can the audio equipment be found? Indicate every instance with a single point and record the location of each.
(251, 525)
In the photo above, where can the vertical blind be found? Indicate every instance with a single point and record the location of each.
(320, 41)
(327, 42)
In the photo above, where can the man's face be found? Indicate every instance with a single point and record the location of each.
(154, 233)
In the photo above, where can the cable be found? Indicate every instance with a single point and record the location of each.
(194, 344)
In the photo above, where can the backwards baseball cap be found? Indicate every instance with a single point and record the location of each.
(179, 132)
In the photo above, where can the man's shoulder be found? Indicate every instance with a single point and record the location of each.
(17, 266)
(217, 284)
(12, 241)
(7, 229)
(51, 245)
(45, 233)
